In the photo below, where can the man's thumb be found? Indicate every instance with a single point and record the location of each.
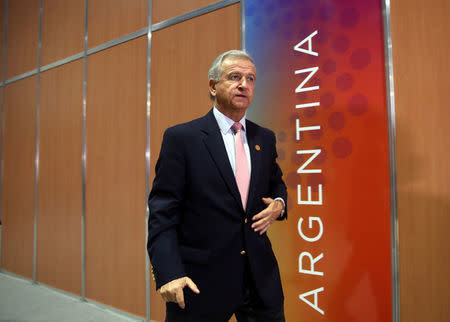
(192, 285)
(267, 201)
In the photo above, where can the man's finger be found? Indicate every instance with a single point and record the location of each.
(260, 215)
(180, 298)
(261, 221)
(264, 230)
(261, 226)
(267, 201)
(258, 224)
(192, 285)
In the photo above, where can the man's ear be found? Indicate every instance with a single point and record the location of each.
(212, 87)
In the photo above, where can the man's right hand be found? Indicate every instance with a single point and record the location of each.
(173, 291)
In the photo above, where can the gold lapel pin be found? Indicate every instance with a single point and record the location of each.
(257, 147)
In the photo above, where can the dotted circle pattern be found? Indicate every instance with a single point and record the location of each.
(338, 41)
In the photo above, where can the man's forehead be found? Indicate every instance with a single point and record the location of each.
(233, 63)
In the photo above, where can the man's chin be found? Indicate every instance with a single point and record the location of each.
(240, 107)
(241, 104)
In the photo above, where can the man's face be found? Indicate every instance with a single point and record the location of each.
(235, 88)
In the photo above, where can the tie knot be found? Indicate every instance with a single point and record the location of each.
(236, 127)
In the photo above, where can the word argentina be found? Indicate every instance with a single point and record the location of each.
(306, 261)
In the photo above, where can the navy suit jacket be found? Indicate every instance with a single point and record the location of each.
(197, 225)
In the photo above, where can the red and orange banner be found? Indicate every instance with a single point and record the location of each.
(321, 88)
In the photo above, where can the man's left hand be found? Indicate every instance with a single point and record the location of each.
(265, 218)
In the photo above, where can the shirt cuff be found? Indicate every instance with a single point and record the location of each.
(284, 206)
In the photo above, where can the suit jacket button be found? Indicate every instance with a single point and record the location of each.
(245, 221)
(242, 252)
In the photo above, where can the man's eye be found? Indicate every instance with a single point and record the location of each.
(235, 77)
(251, 79)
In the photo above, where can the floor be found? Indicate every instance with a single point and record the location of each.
(23, 301)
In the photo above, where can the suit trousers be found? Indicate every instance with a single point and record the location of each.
(252, 308)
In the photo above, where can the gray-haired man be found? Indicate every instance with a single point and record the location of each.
(216, 191)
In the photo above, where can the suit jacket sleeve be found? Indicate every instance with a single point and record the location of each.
(277, 185)
(164, 204)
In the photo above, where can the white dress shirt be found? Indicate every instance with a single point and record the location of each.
(225, 124)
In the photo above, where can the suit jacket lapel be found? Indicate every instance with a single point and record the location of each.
(255, 146)
(216, 147)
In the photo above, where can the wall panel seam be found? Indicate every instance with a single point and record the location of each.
(83, 157)
(117, 41)
(392, 157)
(192, 14)
(2, 144)
(21, 76)
(147, 156)
(242, 3)
(36, 161)
(62, 61)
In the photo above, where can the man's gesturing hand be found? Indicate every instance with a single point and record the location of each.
(173, 291)
(265, 218)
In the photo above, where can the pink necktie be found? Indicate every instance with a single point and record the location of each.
(242, 173)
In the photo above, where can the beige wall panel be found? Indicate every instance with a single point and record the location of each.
(23, 37)
(166, 9)
(59, 186)
(181, 57)
(1, 132)
(1, 153)
(421, 53)
(62, 29)
(2, 35)
(115, 186)
(110, 19)
(18, 177)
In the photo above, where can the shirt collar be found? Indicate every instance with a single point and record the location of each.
(224, 122)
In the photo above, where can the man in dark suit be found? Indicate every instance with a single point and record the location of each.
(217, 189)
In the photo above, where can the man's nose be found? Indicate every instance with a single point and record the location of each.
(243, 83)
